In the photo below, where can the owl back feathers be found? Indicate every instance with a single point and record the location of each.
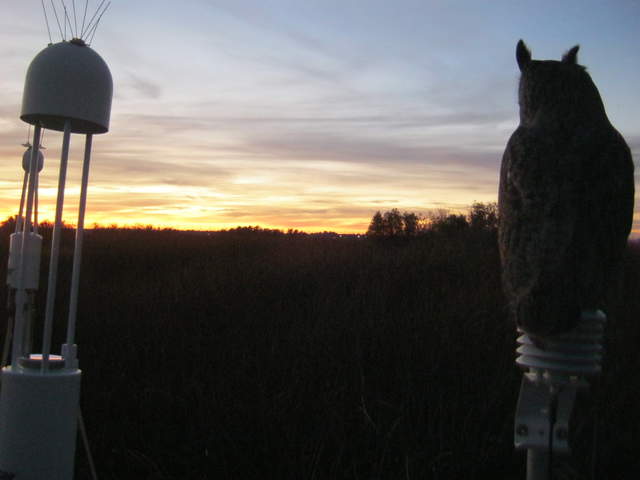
(565, 197)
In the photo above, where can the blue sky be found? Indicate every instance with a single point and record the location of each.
(308, 114)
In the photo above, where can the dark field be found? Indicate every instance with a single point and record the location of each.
(259, 355)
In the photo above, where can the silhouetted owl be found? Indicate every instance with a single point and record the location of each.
(566, 197)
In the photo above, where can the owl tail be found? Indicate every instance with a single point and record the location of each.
(547, 310)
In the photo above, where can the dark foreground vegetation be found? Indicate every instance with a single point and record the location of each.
(254, 354)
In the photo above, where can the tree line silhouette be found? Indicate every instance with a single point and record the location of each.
(393, 223)
(325, 356)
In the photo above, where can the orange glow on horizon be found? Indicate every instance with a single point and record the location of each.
(343, 225)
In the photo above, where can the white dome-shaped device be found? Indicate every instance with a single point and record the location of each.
(68, 81)
(26, 160)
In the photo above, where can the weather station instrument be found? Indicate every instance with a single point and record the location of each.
(68, 88)
(553, 373)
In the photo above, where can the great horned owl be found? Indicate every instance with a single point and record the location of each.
(565, 199)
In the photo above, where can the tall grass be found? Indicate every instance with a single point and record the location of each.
(244, 355)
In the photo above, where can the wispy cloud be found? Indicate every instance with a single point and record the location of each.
(138, 86)
(305, 114)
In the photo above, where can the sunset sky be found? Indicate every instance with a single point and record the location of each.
(308, 114)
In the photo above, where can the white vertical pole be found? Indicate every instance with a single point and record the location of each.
(18, 326)
(538, 464)
(22, 199)
(69, 350)
(35, 203)
(55, 249)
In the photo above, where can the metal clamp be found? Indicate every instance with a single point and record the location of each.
(542, 417)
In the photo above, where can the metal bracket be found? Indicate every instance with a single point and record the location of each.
(564, 406)
(542, 416)
(553, 373)
(533, 416)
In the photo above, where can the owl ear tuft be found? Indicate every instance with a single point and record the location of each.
(523, 55)
(571, 57)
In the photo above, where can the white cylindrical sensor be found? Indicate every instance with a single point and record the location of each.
(38, 421)
(31, 259)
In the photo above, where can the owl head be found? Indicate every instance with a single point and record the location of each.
(561, 91)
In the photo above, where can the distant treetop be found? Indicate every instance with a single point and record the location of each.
(394, 224)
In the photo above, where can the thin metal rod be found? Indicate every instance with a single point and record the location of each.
(46, 20)
(28, 323)
(55, 12)
(91, 21)
(84, 17)
(87, 445)
(77, 253)
(91, 32)
(35, 204)
(18, 325)
(95, 26)
(22, 199)
(75, 18)
(55, 250)
(65, 19)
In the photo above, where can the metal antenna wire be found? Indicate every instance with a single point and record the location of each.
(35, 204)
(23, 197)
(84, 16)
(92, 32)
(46, 20)
(66, 19)
(55, 12)
(87, 445)
(67, 15)
(26, 144)
(92, 18)
(75, 20)
(95, 27)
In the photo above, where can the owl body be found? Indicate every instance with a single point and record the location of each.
(565, 198)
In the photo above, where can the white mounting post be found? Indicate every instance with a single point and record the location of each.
(55, 249)
(553, 373)
(23, 270)
(24, 266)
(69, 349)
